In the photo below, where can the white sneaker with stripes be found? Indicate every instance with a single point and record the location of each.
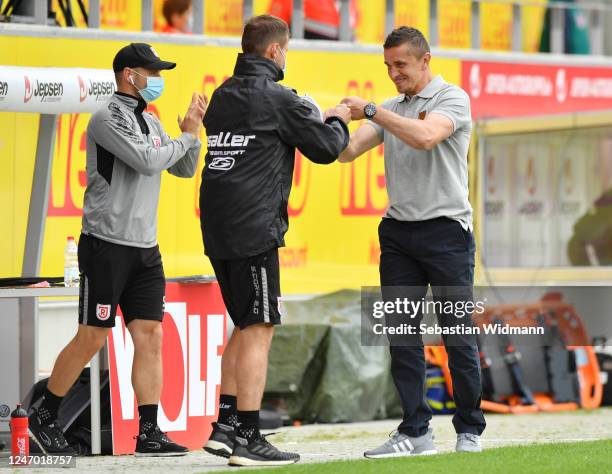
(400, 444)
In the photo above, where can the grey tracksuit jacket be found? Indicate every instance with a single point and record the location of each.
(127, 150)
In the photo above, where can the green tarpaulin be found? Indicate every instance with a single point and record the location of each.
(320, 369)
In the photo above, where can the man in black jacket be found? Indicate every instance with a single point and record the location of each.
(253, 126)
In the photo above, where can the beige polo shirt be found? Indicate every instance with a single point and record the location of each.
(425, 184)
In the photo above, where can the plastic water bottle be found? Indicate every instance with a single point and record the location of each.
(20, 441)
(71, 263)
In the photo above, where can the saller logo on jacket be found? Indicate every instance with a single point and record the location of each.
(227, 140)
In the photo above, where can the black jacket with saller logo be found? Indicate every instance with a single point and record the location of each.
(253, 126)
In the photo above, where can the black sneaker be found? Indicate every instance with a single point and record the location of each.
(48, 436)
(259, 452)
(221, 441)
(156, 443)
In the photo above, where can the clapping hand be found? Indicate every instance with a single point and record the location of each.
(192, 122)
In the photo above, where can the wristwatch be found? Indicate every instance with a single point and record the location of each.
(370, 110)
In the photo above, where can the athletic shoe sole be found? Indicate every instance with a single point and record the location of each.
(241, 461)
(430, 452)
(218, 449)
(159, 455)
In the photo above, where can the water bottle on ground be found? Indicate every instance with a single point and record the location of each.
(20, 441)
(71, 264)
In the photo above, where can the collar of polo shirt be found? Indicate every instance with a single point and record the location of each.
(428, 91)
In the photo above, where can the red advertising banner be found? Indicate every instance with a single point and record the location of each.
(499, 89)
(194, 338)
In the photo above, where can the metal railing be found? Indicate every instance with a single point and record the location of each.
(37, 14)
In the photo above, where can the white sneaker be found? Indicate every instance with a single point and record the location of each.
(468, 443)
(399, 445)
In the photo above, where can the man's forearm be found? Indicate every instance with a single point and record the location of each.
(413, 132)
(348, 154)
(187, 166)
(362, 140)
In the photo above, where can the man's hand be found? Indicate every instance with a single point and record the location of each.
(341, 111)
(192, 123)
(356, 105)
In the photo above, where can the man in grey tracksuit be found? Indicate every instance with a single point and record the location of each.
(119, 259)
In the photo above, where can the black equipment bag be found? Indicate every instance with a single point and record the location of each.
(75, 412)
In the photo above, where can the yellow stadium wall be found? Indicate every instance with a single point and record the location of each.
(335, 209)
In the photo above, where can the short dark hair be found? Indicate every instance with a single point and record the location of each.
(172, 7)
(262, 30)
(409, 35)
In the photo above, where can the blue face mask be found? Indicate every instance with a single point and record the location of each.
(154, 89)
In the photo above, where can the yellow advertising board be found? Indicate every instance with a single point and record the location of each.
(415, 14)
(533, 23)
(455, 22)
(370, 21)
(496, 26)
(120, 15)
(225, 18)
(114, 14)
(335, 209)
